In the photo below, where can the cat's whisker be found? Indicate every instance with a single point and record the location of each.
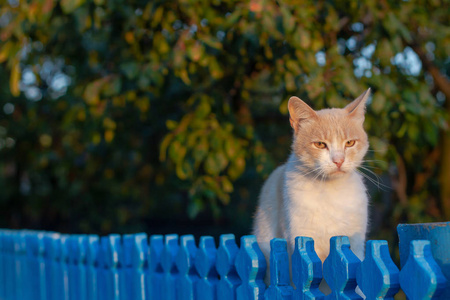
(373, 150)
(373, 160)
(376, 182)
(370, 171)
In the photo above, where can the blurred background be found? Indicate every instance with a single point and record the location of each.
(167, 116)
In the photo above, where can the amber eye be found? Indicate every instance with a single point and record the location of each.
(320, 145)
(350, 143)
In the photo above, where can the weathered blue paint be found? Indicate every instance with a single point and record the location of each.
(279, 288)
(185, 263)
(378, 276)
(155, 273)
(306, 270)
(205, 264)
(439, 236)
(170, 277)
(251, 266)
(339, 269)
(43, 265)
(225, 265)
(428, 282)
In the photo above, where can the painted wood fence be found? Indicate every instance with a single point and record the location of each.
(37, 265)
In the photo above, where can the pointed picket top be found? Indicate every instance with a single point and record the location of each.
(186, 254)
(127, 249)
(112, 247)
(169, 253)
(251, 266)
(185, 263)
(138, 248)
(377, 275)
(92, 250)
(156, 249)
(205, 264)
(170, 275)
(279, 272)
(77, 248)
(339, 269)
(306, 270)
(428, 282)
(225, 265)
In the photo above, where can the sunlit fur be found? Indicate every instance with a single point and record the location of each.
(310, 195)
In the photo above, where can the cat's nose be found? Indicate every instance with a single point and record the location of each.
(338, 162)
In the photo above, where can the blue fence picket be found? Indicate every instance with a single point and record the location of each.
(155, 270)
(306, 270)
(168, 258)
(439, 236)
(205, 264)
(279, 288)
(45, 265)
(126, 269)
(22, 261)
(2, 266)
(77, 245)
(63, 268)
(185, 264)
(50, 241)
(251, 266)
(10, 285)
(102, 270)
(36, 267)
(92, 264)
(428, 281)
(377, 275)
(340, 269)
(225, 265)
(135, 255)
(111, 248)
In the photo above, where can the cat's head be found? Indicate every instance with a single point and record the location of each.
(329, 143)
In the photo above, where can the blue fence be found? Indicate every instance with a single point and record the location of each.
(37, 265)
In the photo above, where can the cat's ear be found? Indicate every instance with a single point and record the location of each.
(299, 111)
(357, 107)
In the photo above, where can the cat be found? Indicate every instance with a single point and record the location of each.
(318, 192)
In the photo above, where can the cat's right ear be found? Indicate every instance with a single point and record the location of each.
(299, 111)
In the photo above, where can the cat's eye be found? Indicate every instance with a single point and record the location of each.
(350, 143)
(320, 145)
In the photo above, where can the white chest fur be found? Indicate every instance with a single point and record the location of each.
(322, 209)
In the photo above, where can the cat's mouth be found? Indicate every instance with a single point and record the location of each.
(337, 172)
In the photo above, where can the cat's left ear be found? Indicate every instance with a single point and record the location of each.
(357, 107)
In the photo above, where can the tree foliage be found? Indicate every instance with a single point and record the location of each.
(119, 113)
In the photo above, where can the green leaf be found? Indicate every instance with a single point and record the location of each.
(215, 163)
(236, 168)
(68, 6)
(130, 69)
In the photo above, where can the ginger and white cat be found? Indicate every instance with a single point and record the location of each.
(318, 192)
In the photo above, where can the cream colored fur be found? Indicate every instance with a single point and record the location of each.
(307, 196)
